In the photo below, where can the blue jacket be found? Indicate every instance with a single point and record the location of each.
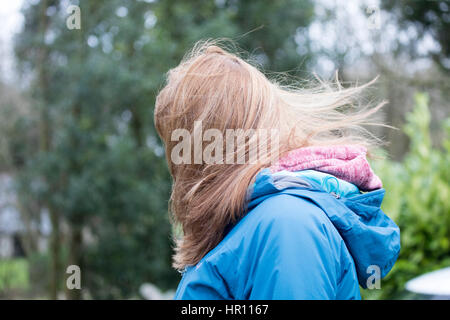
(307, 235)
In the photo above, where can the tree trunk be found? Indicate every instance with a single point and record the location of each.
(45, 145)
(55, 255)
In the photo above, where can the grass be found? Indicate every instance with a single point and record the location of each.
(13, 274)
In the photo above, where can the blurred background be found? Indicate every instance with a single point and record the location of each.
(83, 178)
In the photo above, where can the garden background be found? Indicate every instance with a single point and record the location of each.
(83, 178)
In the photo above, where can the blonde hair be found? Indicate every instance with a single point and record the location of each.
(223, 91)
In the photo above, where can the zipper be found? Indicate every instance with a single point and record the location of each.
(334, 194)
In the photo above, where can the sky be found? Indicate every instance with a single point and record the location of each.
(351, 29)
(11, 21)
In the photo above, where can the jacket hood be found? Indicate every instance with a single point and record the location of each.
(371, 237)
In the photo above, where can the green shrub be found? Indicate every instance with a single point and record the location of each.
(417, 199)
(13, 275)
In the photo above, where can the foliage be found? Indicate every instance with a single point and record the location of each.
(430, 18)
(417, 193)
(86, 151)
(13, 275)
(77, 136)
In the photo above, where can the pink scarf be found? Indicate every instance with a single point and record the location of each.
(346, 162)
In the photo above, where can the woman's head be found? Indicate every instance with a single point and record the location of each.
(222, 121)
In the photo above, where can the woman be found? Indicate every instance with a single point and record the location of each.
(302, 220)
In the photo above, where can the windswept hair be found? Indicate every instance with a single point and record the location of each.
(219, 88)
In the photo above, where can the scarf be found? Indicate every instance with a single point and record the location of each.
(346, 162)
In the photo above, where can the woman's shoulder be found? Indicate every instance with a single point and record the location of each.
(284, 229)
(281, 219)
(284, 213)
(282, 207)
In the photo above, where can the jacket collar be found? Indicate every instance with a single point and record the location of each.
(371, 237)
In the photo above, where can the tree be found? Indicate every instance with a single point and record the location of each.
(99, 170)
(83, 169)
(429, 18)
